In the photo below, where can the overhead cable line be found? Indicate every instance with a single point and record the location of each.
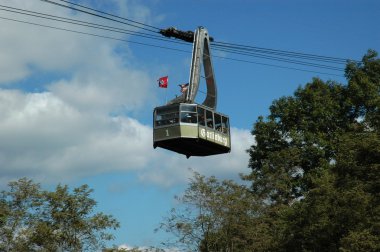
(146, 35)
(280, 52)
(84, 23)
(92, 34)
(219, 44)
(298, 62)
(233, 48)
(250, 51)
(100, 16)
(157, 46)
(188, 36)
(108, 14)
(277, 66)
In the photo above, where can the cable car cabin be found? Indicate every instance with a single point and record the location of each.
(191, 129)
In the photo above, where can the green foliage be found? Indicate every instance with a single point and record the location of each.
(316, 164)
(213, 216)
(364, 88)
(33, 219)
(298, 137)
(357, 241)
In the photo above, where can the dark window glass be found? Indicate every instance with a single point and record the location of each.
(167, 110)
(225, 125)
(218, 122)
(167, 116)
(201, 117)
(188, 117)
(209, 119)
(190, 108)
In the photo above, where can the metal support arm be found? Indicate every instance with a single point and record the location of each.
(201, 56)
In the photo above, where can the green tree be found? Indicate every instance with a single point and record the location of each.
(316, 164)
(213, 215)
(297, 139)
(342, 213)
(33, 219)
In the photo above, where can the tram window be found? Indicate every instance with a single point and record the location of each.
(166, 119)
(166, 116)
(201, 117)
(188, 113)
(158, 120)
(167, 110)
(188, 117)
(190, 108)
(209, 119)
(225, 124)
(218, 122)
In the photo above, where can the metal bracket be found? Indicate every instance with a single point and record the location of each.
(201, 56)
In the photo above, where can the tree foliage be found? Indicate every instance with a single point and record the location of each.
(212, 215)
(33, 219)
(317, 159)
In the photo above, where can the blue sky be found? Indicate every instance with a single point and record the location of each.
(76, 109)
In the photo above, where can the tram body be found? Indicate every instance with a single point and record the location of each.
(191, 129)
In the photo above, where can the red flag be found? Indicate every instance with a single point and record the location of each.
(184, 87)
(163, 82)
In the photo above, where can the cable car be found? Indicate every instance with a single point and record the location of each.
(184, 126)
(191, 129)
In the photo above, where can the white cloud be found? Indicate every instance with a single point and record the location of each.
(43, 135)
(25, 46)
(105, 88)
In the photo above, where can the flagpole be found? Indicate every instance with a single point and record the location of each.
(166, 96)
(163, 83)
(166, 90)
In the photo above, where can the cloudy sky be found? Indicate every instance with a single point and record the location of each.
(77, 109)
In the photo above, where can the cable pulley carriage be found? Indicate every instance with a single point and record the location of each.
(184, 126)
